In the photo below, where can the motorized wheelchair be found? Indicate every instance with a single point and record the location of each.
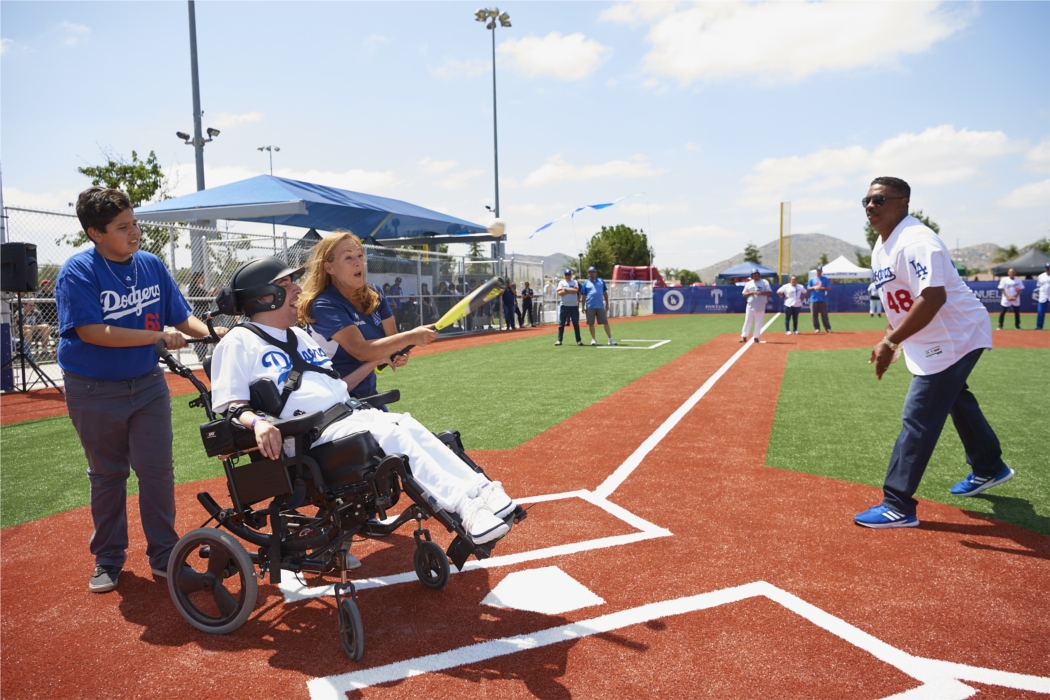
(301, 514)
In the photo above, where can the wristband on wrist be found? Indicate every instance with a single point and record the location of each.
(890, 344)
(256, 420)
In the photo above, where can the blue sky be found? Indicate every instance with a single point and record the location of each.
(716, 112)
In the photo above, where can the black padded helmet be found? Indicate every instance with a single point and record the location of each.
(252, 281)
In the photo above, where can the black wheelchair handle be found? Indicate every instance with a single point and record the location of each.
(161, 348)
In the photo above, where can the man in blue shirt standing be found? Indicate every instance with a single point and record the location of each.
(596, 294)
(114, 302)
(819, 287)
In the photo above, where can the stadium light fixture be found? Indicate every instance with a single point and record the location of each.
(491, 16)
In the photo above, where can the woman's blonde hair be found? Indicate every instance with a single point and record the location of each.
(316, 279)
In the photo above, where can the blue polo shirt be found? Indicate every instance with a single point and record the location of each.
(139, 294)
(818, 295)
(332, 313)
(594, 292)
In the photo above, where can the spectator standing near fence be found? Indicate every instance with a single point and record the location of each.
(1042, 290)
(114, 302)
(397, 303)
(942, 329)
(1010, 289)
(596, 294)
(510, 304)
(793, 295)
(819, 288)
(33, 327)
(568, 291)
(756, 292)
(527, 296)
(874, 303)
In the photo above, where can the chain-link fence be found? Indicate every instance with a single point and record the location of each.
(420, 285)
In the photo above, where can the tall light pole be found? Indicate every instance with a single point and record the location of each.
(270, 150)
(491, 17)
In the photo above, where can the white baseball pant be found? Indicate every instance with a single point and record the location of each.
(755, 316)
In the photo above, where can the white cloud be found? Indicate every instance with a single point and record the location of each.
(225, 120)
(1038, 159)
(1036, 194)
(455, 181)
(569, 57)
(937, 156)
(557, 170)
(637, 12)
(73, 33)
(782, 40)
(824, 204)
(6, 45)
(50, 201)
(465, 69)
(374, 41)
(436, 167)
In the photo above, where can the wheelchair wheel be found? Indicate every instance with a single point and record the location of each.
(351, 630)
(210, 594)
(431, 565)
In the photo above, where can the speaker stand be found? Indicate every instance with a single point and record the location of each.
(23, 357)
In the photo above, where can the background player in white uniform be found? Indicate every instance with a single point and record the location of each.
(943, 330)
(756, 291)
(1042, 289)
(792, 293)
(1010, 289)
(243, 357)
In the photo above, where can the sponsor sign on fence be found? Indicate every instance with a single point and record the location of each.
(843, 298)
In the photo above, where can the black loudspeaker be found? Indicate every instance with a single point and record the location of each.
(18, 267)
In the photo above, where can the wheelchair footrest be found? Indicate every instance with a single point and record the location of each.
(460, 550)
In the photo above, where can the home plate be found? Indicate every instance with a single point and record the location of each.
(548, 590)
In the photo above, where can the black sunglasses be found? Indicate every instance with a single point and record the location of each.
(878, 200)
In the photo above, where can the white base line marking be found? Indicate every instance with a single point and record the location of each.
(636, 347)
(940, 679)
(624, 470)
(294, 591)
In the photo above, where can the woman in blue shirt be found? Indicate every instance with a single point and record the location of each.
(349, 318)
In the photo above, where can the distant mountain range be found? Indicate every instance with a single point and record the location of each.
(806, 249)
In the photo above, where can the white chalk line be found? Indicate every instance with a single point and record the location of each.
(939, 679)
(294, 591)
(627, 468)
(658, 343)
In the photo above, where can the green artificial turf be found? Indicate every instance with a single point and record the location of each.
(834, 419)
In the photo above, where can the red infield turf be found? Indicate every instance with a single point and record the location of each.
(728, 579)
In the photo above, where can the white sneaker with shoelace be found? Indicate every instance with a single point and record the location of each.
(479, 522)
(496, 499)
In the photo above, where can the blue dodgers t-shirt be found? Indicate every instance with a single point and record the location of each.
(821, 294)
(332, 313)
(594, 292)
(92, 290)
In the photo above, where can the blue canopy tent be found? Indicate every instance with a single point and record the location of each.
(267, 199)
(744, 270)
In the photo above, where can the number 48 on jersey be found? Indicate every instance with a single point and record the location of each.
(899, 300)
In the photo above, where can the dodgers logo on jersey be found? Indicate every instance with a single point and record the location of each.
(317, 357)
(883, 277)
(921, 271)
(275, 358)
(115, 306)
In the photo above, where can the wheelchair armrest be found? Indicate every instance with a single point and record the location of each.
(298, 425)
(380, 400)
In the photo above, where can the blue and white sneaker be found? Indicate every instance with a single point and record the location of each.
(881, 517)
(973, 484)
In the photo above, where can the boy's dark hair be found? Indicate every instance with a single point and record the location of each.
(97, 206)
(899, 186)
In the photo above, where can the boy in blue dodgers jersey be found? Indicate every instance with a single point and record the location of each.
(267, 293)
(943, 329)
(349, 318)
(596, 295)
(114, 302)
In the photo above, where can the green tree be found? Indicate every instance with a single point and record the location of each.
(670, 273)
(870, 235)
(142, 181)
(475, 251)
(687, 277)
(823, 260)
(863, 260)
(751, 254)
(1003, 254)
(1043, 245)
(926, 220)
(616, 245)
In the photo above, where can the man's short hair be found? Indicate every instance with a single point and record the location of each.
(97, 206)
(899, 186)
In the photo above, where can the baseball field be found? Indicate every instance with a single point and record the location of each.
(689, 535)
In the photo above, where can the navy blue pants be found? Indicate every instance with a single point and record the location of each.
(569, 313)
(508, 314)
(930, 400)
(791, 316)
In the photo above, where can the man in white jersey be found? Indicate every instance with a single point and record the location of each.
(943, 329)
(793, 295)
(1042, 290)
(756, 291)
(267, 293)
(1010, 289)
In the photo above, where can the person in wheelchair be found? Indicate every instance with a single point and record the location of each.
(266, 291)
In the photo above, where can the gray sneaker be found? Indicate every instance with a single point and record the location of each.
(104, 579)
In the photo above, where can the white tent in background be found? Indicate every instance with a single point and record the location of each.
(841, 268)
